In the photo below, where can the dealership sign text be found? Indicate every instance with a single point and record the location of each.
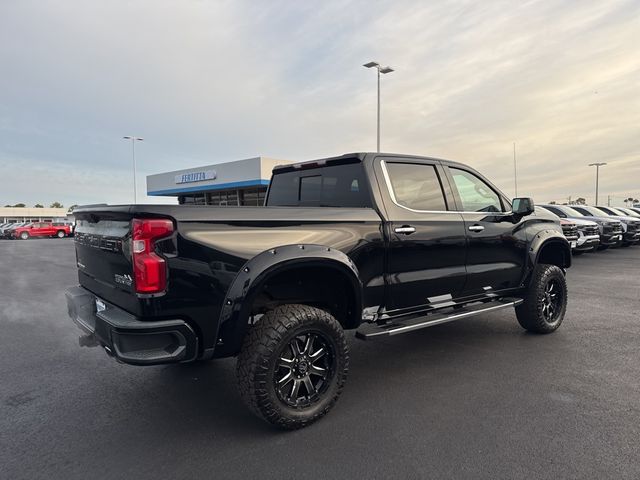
(196, 176)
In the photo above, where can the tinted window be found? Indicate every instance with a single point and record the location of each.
(555, 210)
(608, 212)
(475, 194)
(416, 186)
(593, 211)
(583, 211)
(333, 186)
(310, 188)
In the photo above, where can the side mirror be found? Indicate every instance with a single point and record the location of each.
(522, 206)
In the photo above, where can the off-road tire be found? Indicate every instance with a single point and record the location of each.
(262, 349)
(531, 313)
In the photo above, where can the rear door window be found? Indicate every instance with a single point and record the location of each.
(416, 186)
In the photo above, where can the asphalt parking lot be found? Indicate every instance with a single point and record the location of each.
(479, 398)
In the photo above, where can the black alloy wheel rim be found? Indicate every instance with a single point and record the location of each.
(551, 301)
(304, 369)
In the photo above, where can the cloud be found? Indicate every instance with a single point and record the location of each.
(205, 82)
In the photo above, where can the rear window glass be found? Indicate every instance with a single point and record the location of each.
(332, 186)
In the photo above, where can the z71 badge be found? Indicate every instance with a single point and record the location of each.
(123, 279)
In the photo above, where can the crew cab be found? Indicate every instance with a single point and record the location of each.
(40, 229)
(383, 244)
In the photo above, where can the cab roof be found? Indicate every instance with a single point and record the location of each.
(354, 157)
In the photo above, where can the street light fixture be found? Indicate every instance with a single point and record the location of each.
(597, 165)
(383, 70)
(133, 154)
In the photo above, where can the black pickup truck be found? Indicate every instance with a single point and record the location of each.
(382, 244)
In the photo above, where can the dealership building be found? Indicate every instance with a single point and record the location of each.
(27, 214)
(242, 182)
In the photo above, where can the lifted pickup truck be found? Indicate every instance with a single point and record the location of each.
(378, 243)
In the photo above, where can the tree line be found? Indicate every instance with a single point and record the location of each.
(39, 205)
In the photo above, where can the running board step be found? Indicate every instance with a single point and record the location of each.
(373, 331)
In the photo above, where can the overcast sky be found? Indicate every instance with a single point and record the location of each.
(206, 82)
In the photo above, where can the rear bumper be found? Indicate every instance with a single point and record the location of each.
(127, 338)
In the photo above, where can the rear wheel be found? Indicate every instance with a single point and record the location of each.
(293, 365)
(545, 302)
(60, 234)
(24, 235)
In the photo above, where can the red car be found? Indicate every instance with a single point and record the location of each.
(41, 229)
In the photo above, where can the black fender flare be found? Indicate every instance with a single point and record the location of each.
(544, 238)
(235, 311)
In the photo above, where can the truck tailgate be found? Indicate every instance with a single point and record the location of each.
(103, 257)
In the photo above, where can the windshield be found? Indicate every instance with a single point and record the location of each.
(570, 211)
(610, 211)
(629, 212)
(624, 213)
(597, 212)
(562, 211)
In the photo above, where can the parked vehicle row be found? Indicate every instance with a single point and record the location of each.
(613, 227)
(27, 230)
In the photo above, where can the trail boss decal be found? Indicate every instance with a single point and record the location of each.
(123, 279)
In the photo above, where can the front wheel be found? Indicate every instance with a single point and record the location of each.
(293, 365)
(60, 234)
(545, 302)
(24, 236)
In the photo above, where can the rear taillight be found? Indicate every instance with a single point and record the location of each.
(149, 268)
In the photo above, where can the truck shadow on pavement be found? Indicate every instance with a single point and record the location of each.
(206, 397)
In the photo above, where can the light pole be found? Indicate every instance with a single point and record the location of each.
(515, 169)
(597, 165)
(134, 139)
(383, 70)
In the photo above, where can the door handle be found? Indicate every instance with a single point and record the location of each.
(476, 228)
(405, 229)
